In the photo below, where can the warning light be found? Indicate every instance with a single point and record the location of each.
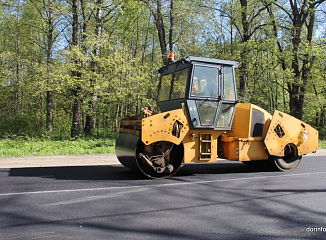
(194, 89)
(147, 112)
(171, 58)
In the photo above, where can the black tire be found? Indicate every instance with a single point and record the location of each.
(287, 163)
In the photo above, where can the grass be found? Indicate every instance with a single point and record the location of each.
(44, 147)
(322, 144)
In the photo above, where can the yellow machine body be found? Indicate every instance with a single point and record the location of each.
(199, 126)
(238, 144)
(285, 129)
(160, 127)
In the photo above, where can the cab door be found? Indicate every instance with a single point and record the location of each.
(211, 100)
(228, 99)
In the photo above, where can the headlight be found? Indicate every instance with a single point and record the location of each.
(305, 135)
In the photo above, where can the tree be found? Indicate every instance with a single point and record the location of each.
(157, 12)
(301, 15)
(49, 14)
(77, 66)
(90, 117)
(76, 74)
(247, 23)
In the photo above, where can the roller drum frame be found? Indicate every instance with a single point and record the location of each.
(158, 160)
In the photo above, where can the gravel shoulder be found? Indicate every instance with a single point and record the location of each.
(59, 161)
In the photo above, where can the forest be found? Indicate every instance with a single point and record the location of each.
(73, 68)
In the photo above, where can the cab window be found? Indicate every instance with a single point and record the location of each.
(179, 84)
(177, 81)
(225, 116)
(207, 111)
(229, 86)
(205, 82)
(164, 91)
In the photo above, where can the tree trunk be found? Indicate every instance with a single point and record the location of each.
(90, 117)
(159, 23)
(50, 39)
(76, 74)
(171, 26)
(298, 86)
(161, 31)
(49, 114)
(244, 52)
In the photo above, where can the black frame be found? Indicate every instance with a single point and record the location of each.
(189, 102)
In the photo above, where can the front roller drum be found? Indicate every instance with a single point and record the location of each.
(158, 160)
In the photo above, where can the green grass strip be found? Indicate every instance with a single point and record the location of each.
(41, 147)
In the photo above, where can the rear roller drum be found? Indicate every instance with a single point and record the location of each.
(125, 148)
(158, 160)
(287, 163)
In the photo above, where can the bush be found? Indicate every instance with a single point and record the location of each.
(322, 133)
(19, 126)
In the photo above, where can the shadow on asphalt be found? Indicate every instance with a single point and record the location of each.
(121, 173)
(78, 173)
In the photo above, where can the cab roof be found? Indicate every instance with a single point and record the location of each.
(192, 59)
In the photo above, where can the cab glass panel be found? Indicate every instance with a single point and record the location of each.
(205, 82)
(179, 84)
(229, 84)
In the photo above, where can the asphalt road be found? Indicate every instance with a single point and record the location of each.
(227, 200)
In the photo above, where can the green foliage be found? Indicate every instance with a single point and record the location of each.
(322, 143)
(118, 52)
(322, 133)
(18, 126)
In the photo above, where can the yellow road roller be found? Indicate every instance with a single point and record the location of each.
(201, 120)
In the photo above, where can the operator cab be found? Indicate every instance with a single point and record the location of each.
(205, 88)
